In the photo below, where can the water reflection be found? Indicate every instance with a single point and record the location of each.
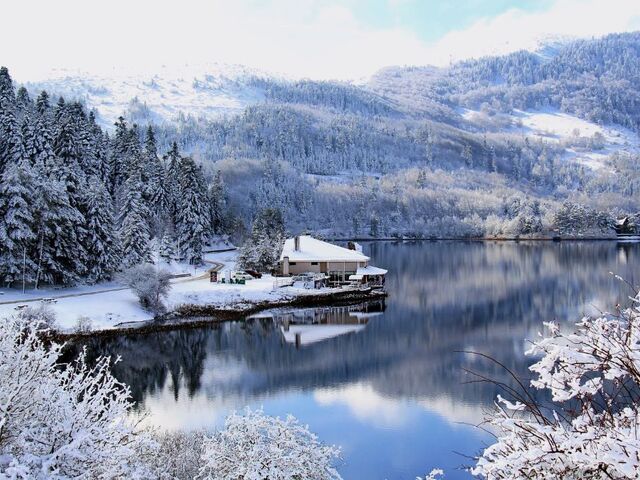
(386, 382)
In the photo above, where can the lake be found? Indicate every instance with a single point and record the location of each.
(387, 382)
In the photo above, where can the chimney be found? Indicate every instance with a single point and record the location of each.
(296, 243)
(351, 245)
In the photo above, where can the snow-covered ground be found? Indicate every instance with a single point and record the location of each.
(207, 90)
(110, 305)
(580, 136)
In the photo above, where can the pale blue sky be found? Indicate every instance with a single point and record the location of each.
(431, 19)
(344, 39)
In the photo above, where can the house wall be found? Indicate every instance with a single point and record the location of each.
(296, 268)
(343, 266)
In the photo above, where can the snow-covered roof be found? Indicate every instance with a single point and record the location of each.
(314, 250)
(370, 270)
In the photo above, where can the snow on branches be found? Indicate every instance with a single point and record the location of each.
(593, 431)
(254, 446)
(62, 421)
(73, 420)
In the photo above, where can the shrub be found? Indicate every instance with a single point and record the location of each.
(149, 284)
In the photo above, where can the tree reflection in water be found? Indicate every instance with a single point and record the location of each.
(445, 297)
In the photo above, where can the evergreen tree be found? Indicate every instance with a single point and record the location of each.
(102, 245)
(16, 221)
(134, 229)
(217, 203)
(193, 218)
(262, 249)
(59, 255)
(10, 142)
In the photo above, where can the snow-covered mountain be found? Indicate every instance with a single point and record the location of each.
(423, 144)
(209, 90)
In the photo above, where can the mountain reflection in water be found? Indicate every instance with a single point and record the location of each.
(386, 382)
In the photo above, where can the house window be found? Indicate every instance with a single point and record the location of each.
(314, 263)
(292, 263)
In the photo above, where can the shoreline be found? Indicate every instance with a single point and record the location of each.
(486, 239)
(189, 316)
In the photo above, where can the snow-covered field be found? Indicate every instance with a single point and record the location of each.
(587, 143)
(110, 305)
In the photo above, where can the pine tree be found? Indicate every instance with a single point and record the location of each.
(117, 159)
(10, 142)
(192, 218)
(59, 257)
(217, 203)
(167, 250)
(101, 245)
(262, 250)
(42, 103)
(134, 229)
(172, 183)
(16, 221)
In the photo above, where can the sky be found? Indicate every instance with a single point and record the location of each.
(320, 39)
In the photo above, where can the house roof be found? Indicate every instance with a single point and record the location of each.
(371, 270)
(314, 250)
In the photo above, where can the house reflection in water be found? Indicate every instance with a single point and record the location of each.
(312, 325)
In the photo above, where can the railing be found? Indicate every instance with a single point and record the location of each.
(280, 282)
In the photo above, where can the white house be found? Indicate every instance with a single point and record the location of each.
(305, 254)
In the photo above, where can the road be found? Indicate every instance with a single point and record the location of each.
(217, 266)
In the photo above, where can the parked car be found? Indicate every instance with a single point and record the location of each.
(241, 276)
(254, 273)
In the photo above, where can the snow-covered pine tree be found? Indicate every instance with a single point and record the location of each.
(67, 146)
(217, 203)
(157, 193)
(23, 101)
(167, 250)
(192, 217)
(42, 103)
(16, 221)
(262, 249)
(10, 144)
(117, 170)
(58, 254)
(134, 228)
(102, 241)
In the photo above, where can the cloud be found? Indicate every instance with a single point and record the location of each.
(303, 38)
(517, 30)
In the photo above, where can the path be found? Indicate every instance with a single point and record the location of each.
(217, 266)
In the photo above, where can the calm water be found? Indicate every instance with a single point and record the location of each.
(385, 382)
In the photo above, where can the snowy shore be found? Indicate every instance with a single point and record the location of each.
(111, 306)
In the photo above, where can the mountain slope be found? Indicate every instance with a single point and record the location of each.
(467, 150)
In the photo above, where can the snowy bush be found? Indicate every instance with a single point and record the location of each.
(149, 284)
(63, 420)
(254, 446)
(593, 431)
(38, 317)
(83, 325)
(179, 455)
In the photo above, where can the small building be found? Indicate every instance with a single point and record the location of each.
(305, 254)
(626, 226)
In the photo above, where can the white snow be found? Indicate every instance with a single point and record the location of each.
(110, 305)
(312, 250)
(553, 126)
(371, 270)
(207, 90)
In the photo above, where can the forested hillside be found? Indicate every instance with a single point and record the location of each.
(533, 143)
(77, 203)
